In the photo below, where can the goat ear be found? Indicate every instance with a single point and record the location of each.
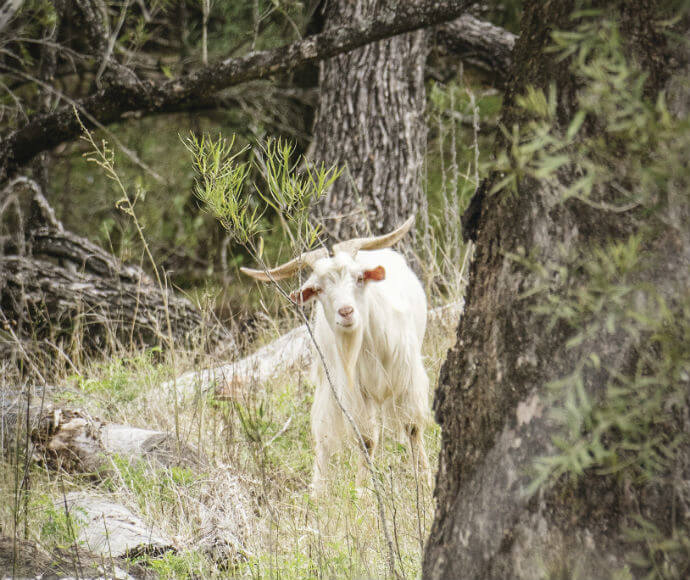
(377, 274)
(304, 294)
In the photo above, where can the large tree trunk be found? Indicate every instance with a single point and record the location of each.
(492, 401)
(371, 123)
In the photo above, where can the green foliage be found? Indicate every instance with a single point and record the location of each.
(176, 565)
(666, 555)
(221, 183)
(457, 150)
(630, 145)
(222, 186)
(291, 193)
(627, 427)
(117, 379)
(151, 486)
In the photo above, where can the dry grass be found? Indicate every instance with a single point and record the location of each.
(254, 489)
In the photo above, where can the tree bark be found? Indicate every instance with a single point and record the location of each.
(492, 400)
(127, 94)
(370, 122)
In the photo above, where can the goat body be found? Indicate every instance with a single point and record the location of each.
(369, 323)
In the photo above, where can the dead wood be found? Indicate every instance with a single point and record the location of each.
(72, 440)
(110, 529)
(21, 558)
(289, 352)
(60, 293)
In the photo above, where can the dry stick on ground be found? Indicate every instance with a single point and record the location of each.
(128, 93)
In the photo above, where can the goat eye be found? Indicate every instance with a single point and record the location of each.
(360, 279)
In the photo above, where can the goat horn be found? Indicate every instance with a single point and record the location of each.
(375, 242)
(288, 268)
(309, 258)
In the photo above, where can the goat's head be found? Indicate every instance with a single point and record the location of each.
(337, 280)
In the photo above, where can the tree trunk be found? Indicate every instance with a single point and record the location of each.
(492, 401)
(371, 123)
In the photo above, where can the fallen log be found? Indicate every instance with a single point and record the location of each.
(61, 292)
(21, 558)
(110, 529)
(20, 409)
(292, 351)
(111, 303)
(76, 442)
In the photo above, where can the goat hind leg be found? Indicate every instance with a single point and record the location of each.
(418, 453)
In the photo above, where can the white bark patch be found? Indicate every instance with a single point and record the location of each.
(308, 49)
(528, 410)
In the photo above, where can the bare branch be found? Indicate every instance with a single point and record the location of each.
(7, 12)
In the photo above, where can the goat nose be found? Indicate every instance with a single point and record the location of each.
(346, 311)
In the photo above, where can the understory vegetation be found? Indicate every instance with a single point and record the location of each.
(261, 443)
(256, 448)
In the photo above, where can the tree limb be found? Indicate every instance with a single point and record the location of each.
(127, 95)
(478, 42)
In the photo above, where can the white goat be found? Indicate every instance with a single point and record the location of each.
(369, 322)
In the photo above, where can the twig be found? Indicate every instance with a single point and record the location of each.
(279, 433)
(111, 43)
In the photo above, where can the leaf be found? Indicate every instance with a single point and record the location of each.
(576, 124)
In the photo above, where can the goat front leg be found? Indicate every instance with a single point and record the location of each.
(328, 430)
(363, 474)
(324, 450)
(368, 427)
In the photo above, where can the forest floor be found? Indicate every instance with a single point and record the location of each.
(242, 507)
